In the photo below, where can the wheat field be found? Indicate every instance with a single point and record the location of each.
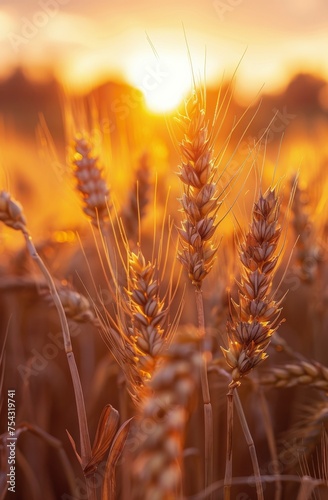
(163, 302)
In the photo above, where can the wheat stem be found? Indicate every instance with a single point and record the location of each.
(228, 465)
(251, 446)
(124, 415)
(271, 441)
(233, 395)
(79, 399)
(208, 412)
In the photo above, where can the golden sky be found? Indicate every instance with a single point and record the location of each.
(84, 41)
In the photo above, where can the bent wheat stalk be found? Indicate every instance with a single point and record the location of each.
(11, 213)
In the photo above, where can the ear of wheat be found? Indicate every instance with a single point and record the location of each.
(11, 212)
(308, 252)
(90, 182)
(307, 431)
(148, 313)
(200, 200)
(140, 333)
(157, 467)
(76, 306)
(256, 315)
(302, 373)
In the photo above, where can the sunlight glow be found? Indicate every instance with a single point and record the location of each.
(163, 81)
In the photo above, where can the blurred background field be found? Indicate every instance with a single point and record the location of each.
(132, 63)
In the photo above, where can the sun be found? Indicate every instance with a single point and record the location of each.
(163, 81)
(165, 97)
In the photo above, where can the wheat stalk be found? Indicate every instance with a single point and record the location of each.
(200, 203)
(256, 315)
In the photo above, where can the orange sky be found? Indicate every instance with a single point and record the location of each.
(87, 40)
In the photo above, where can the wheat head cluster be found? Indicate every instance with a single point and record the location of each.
(180, 378)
